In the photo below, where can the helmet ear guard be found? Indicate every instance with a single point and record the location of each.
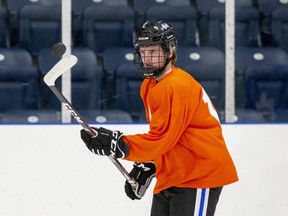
(155, 33)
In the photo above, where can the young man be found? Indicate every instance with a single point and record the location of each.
(185, 140)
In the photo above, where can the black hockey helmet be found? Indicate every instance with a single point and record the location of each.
(155, 33)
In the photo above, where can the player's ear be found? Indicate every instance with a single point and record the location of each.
(171, 54)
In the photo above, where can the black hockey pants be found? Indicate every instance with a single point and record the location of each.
(186, 202)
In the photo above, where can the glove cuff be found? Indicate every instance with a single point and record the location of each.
(123, 148)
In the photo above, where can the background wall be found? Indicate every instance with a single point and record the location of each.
(47, 170)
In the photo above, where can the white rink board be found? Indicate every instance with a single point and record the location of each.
(46, 170)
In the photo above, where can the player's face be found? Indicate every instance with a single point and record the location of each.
(153, 56)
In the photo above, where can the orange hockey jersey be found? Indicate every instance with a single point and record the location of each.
(185, 138)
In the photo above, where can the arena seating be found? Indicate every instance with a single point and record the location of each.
(246, 27)
(78, 8)
(39, 26)
(279, 23)
(106, 26)
(18, 80)
(31, 116)
(105, 116)
(86, 80)
(3, 27)
(15, 6)
(266, 87)
(141, 7)
(105, 80)
(127, 85)
(113, 57)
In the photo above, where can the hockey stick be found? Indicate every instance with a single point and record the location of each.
(58, 70)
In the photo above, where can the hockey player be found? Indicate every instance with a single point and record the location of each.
(184, 141)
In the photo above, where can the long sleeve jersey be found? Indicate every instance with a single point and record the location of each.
(185, 138)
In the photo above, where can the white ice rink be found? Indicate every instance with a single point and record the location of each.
(47, 171)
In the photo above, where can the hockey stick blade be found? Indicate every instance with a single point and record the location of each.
(60, 68)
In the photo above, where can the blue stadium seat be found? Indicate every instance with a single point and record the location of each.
(105, 116)
(266, 87)
(247, 30)
(113, 57)
(106, 26)
(280, 115)
(266, 9)
(31, 117)
(279, 30)
(245, 56)
(39, 27)
(199, 56)
(249, 116)
(243, 115)
(254, 56)
(127, 98)
(3, 27)
(141, 6)
(14, 7)
(86, 80)
(184, 23)
(267, 6)
(204, 6)
(78, 7)
(18, 80)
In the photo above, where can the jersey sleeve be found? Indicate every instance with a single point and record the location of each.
(171, 113)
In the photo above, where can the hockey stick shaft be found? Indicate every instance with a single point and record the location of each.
(60, 68)
(82, 122)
